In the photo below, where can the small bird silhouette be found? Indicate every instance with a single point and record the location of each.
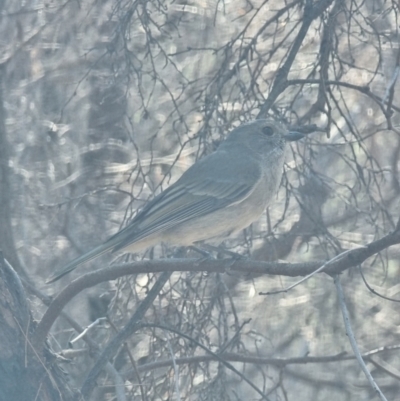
(220, 194)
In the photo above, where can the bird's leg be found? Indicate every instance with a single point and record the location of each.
(220, 249)
(202, 252)
(205, 255)
(182, 251)
(179, 253)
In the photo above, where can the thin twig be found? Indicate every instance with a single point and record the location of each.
(111, 348)
(389, 370)
(87, 329)
(213, 354)
(320, 269)
(374, 291)
(133, 362)
(94, 347)
(118, 382)
(171, 351)
(353, 342)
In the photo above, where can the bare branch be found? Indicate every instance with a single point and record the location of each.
(352, 339)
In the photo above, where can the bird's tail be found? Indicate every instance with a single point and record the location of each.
(94, 253)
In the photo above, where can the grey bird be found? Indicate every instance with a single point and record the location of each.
(220, 194)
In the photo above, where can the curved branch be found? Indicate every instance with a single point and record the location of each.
(353, 258)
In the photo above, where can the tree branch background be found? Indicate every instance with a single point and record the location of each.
(105, 103)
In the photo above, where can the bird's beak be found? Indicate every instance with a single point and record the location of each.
(293, 136)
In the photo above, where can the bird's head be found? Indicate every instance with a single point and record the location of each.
(262, 136)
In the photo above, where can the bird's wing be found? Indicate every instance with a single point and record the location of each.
(192, 196)
(211, 184)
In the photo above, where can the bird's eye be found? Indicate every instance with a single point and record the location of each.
(268, 131)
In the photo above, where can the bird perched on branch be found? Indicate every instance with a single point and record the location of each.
(220, 194)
